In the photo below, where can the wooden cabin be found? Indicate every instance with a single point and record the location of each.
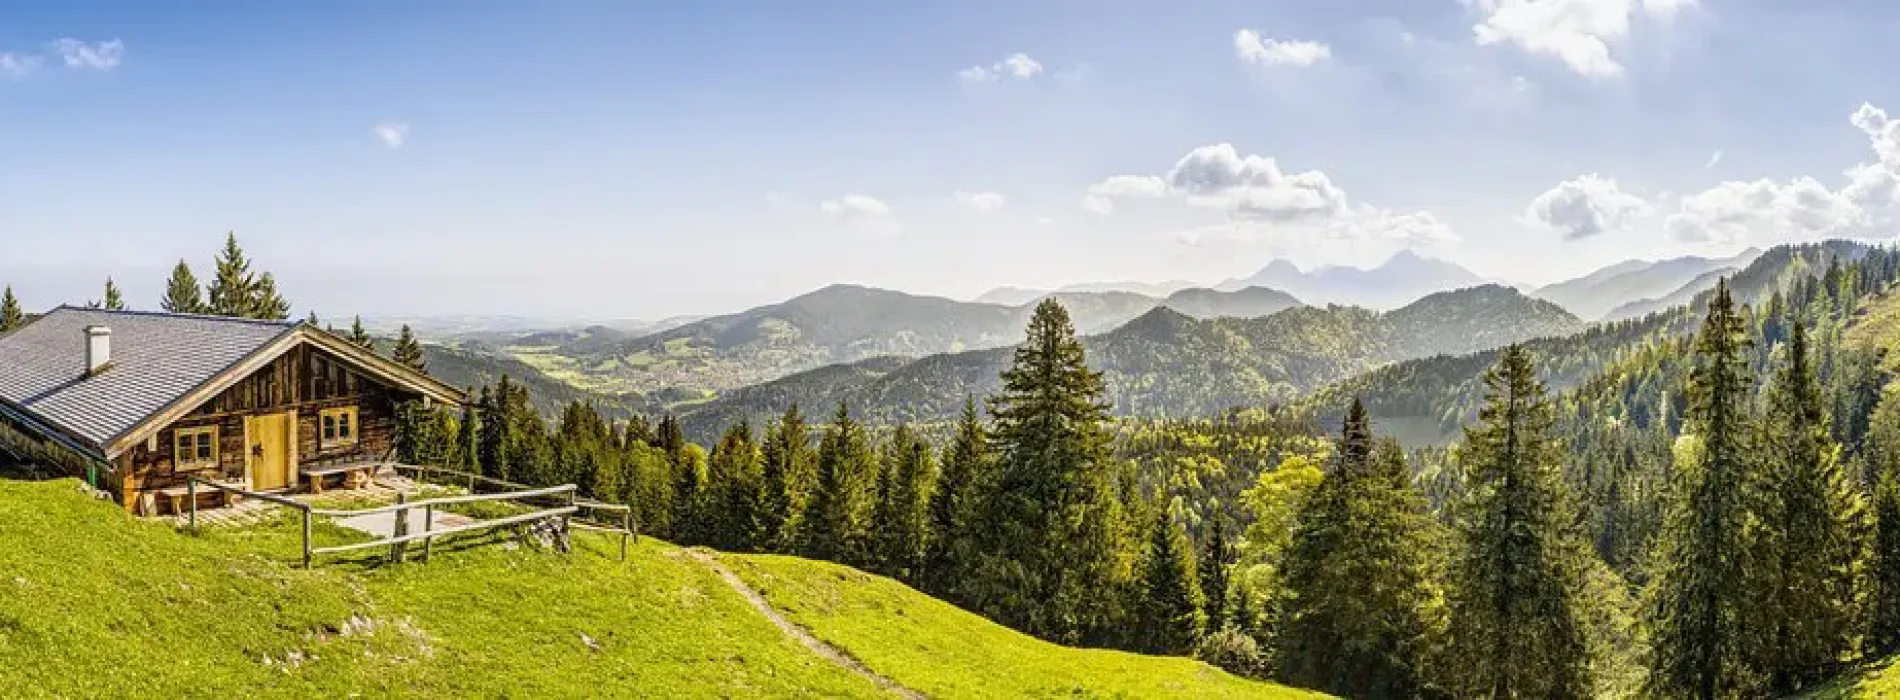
(140, 400)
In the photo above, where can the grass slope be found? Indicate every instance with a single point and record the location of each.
(94, 603)
(932, 646)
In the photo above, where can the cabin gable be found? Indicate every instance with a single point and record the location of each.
(311, 386)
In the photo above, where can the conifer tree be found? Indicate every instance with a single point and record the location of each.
(734, 482)
(468, 441)
(1360, 613)
(1171, 617)
(1805, 547)
(266, 302)
(11, 317)
(1699, 602)
(408, 351)
(1518, 604)
(1216, 561)
(955, 504)
(115, 300)
(1884, 579)
(233, 289)
(1054, 528)
(832, 527)
(182, 293)
(690, 521)
(901, 521)
(786, 466)
(360, 336)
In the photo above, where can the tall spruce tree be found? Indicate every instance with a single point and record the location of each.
(1055, 536)
(233, 289)
(833, 527)
(360, 336)
(1883, 633)
(115, 300)
(1518, 603)
(408, 351)
(468, 441)
(182, 293)
(1216, 562)
(786, 468)
(1170, 612)
(1805, 547)
(11, 317)
(734, 483)
(955, 504)
(1360, 612)
(266, 302)
(901, 520)
(1699, 602)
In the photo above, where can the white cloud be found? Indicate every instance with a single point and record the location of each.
(777, 200)
(1802, 207)
(1019, 66)
(1253, 186)
(14, 65)
(1730, 212)
(981, 201)
(1714, 158)
(392, 133)
(1102, 195)
(1578, 32)
(104, 55)
(855, 207)
(1257, 195)
(1587, 206)
(1252, 48)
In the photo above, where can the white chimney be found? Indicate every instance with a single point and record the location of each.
(98, 349)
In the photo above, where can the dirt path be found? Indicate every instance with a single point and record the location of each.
(791, 629)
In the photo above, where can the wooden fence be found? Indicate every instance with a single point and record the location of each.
(565, 503)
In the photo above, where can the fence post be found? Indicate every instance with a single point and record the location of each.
(401, 528)
(471, 483)
(191, 497)
(306, 536)
(626, 531)
(428, 525)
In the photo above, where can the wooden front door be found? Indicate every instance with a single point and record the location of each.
(268, 450)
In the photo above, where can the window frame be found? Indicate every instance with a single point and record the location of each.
(187, 460)
(331, 424)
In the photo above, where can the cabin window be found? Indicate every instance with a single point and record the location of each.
(338, 427)
(195, 448)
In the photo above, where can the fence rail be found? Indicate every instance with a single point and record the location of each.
(400, 537)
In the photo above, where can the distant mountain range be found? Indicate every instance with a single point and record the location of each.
(1640, 285)
(1018, 296)
(1404, 277)
(1170, 363)
(836, 324)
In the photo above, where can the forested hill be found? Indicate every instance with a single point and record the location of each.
(1169, 363)
(836, 324)
(1426, 399)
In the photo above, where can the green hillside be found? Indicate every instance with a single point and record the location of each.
(927, 643)
(1169, 364)
(97, 604)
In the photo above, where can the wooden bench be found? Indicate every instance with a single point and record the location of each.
(355, 476)
(178, 494)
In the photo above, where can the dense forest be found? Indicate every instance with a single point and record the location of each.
(1704, 502)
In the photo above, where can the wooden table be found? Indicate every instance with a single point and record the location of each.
(355, 476)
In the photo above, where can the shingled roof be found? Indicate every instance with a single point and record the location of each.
(157, 360)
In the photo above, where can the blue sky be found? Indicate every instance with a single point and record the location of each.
(643, 159)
